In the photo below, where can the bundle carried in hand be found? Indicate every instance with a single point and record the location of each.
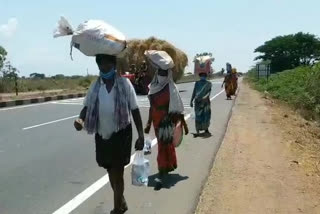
(166, 130)
(93, 37)
(140, 170)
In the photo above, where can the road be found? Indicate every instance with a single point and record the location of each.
(48, 167)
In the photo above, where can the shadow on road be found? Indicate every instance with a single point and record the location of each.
(169, 181)
(202, 135)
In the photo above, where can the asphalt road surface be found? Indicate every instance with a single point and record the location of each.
(48, 167)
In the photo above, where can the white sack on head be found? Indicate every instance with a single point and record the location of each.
(94, 37)
(160, 58)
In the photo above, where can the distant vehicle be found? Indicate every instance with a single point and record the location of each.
(139, 79)
(131, 77)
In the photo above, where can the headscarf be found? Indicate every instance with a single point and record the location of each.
(175, 103)
(122, 112)
(162, 60)
(234, 70)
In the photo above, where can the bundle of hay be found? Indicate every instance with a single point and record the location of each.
(134, 54)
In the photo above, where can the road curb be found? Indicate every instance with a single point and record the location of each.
(39, 100)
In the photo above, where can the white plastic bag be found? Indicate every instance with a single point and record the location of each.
(64, 28)
(147, 149)
(140, 170)
(193, 115)
(93, 37)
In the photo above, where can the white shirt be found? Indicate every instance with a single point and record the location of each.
(106, 123)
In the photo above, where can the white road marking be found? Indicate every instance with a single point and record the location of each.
(60, 102)
(38, 104)
(24, 106)
(67, 118)
(76, 201)
(87, 193)
(215, 96)
(47, 123)
(67, 103)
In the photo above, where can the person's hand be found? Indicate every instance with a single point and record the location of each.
(186, 129)
(78, 124)
(139, 143)
(147, 129)
(191, 104)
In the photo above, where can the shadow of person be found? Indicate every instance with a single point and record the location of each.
(206, 135)
(169, 180)
(203, 135)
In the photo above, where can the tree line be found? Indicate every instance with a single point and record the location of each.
(290, 51)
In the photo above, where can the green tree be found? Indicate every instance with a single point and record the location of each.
(37, 76)
(9, 77)
(290, 51)
(3, 54)
(9, 72)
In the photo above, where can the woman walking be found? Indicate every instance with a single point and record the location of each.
(201, 98)
(165, 107)
(234, 81)
(228, 86)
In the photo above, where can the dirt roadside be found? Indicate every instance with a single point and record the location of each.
(269, 162)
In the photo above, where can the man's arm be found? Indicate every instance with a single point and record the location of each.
(83, 113)
(138, 122)
(149, 123)
(79, 123)
(193, 96)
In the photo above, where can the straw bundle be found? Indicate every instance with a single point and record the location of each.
(134, 54)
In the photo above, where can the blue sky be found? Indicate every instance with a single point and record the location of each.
(230, 29)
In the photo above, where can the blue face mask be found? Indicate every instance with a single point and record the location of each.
(109, 75)
(202, 78)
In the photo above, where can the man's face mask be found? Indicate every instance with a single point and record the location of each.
(108, 75)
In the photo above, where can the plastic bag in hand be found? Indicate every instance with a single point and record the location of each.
(140, 170)
(147, 146)
(193, 116)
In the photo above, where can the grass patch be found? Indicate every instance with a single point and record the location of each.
(30, 85)
(300, 87)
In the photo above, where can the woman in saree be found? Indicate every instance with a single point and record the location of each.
(228, 86)
(201, 99)
(165, 107)
(234, 80)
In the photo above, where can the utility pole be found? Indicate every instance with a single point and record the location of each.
(16, 83)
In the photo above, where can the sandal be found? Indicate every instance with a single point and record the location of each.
(123, 209)
(124, 206)
(159, 184)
